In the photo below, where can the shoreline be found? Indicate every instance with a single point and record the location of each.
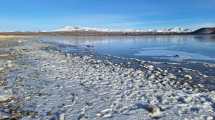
(46, 83)
(11, 37)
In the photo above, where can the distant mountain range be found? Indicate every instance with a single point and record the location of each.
(86, 31)
(205, 31)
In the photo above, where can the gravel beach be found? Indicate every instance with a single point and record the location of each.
(38, 83)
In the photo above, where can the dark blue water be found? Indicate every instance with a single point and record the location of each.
(175, 48)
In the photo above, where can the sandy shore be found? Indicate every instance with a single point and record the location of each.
(47, 84)
(10, 37)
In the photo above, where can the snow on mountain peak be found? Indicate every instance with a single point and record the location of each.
(74, 28)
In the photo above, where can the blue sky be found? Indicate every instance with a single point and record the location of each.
(31, 15)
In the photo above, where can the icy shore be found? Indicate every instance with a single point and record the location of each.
(51, 85)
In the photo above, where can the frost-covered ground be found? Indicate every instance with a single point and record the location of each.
(47, 84)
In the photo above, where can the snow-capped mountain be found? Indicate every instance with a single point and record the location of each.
(167, 30)
(71, 28)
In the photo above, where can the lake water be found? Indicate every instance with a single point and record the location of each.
(174, 48)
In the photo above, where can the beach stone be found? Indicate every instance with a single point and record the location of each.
(4, 98)
(154, 111)
(9, 61)
(152, 76)
(171, 76)
(209, 118)
(185, 99)
(2, 82)
(176, 56)
(205, 76)
(149, 67)
(4, 116)
(188, 77)
(62, 116)
(157, 73)
(58, 116)
(194, 109)
(1, 69)
(99, 115)
(107, 113)
(9, 64)
(20, 41)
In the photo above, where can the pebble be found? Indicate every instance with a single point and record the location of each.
(149, 67)
(154, 111)
(210, 118)
(187, 99)
(107, 113)
(4, 98)
(2, 82)
(20, 41)
(9, 64)
(4, 116)
(171, 76)
(58, 116)
(152, 76)
(62, 116)
(188, 77)
(1, 69)
(99, 115)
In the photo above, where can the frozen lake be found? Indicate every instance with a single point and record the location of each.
(175, 48)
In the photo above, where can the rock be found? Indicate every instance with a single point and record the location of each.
(209, 118)
(62, 116)
(149, 67)
(154, 111)
(4, 115)
(58, 116)
(99, 115)
(194, 109)
(171, 76)
(201, 85)
(27, 98)
(185, 100)
(2, 82)
(5, 98)
(89, 46)
(157, 73)
(176, 56)
(205, 76)
(1, 69)
(107, 113)
(19, 41)
(188, 77)
(9, 64)
(152, 76)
